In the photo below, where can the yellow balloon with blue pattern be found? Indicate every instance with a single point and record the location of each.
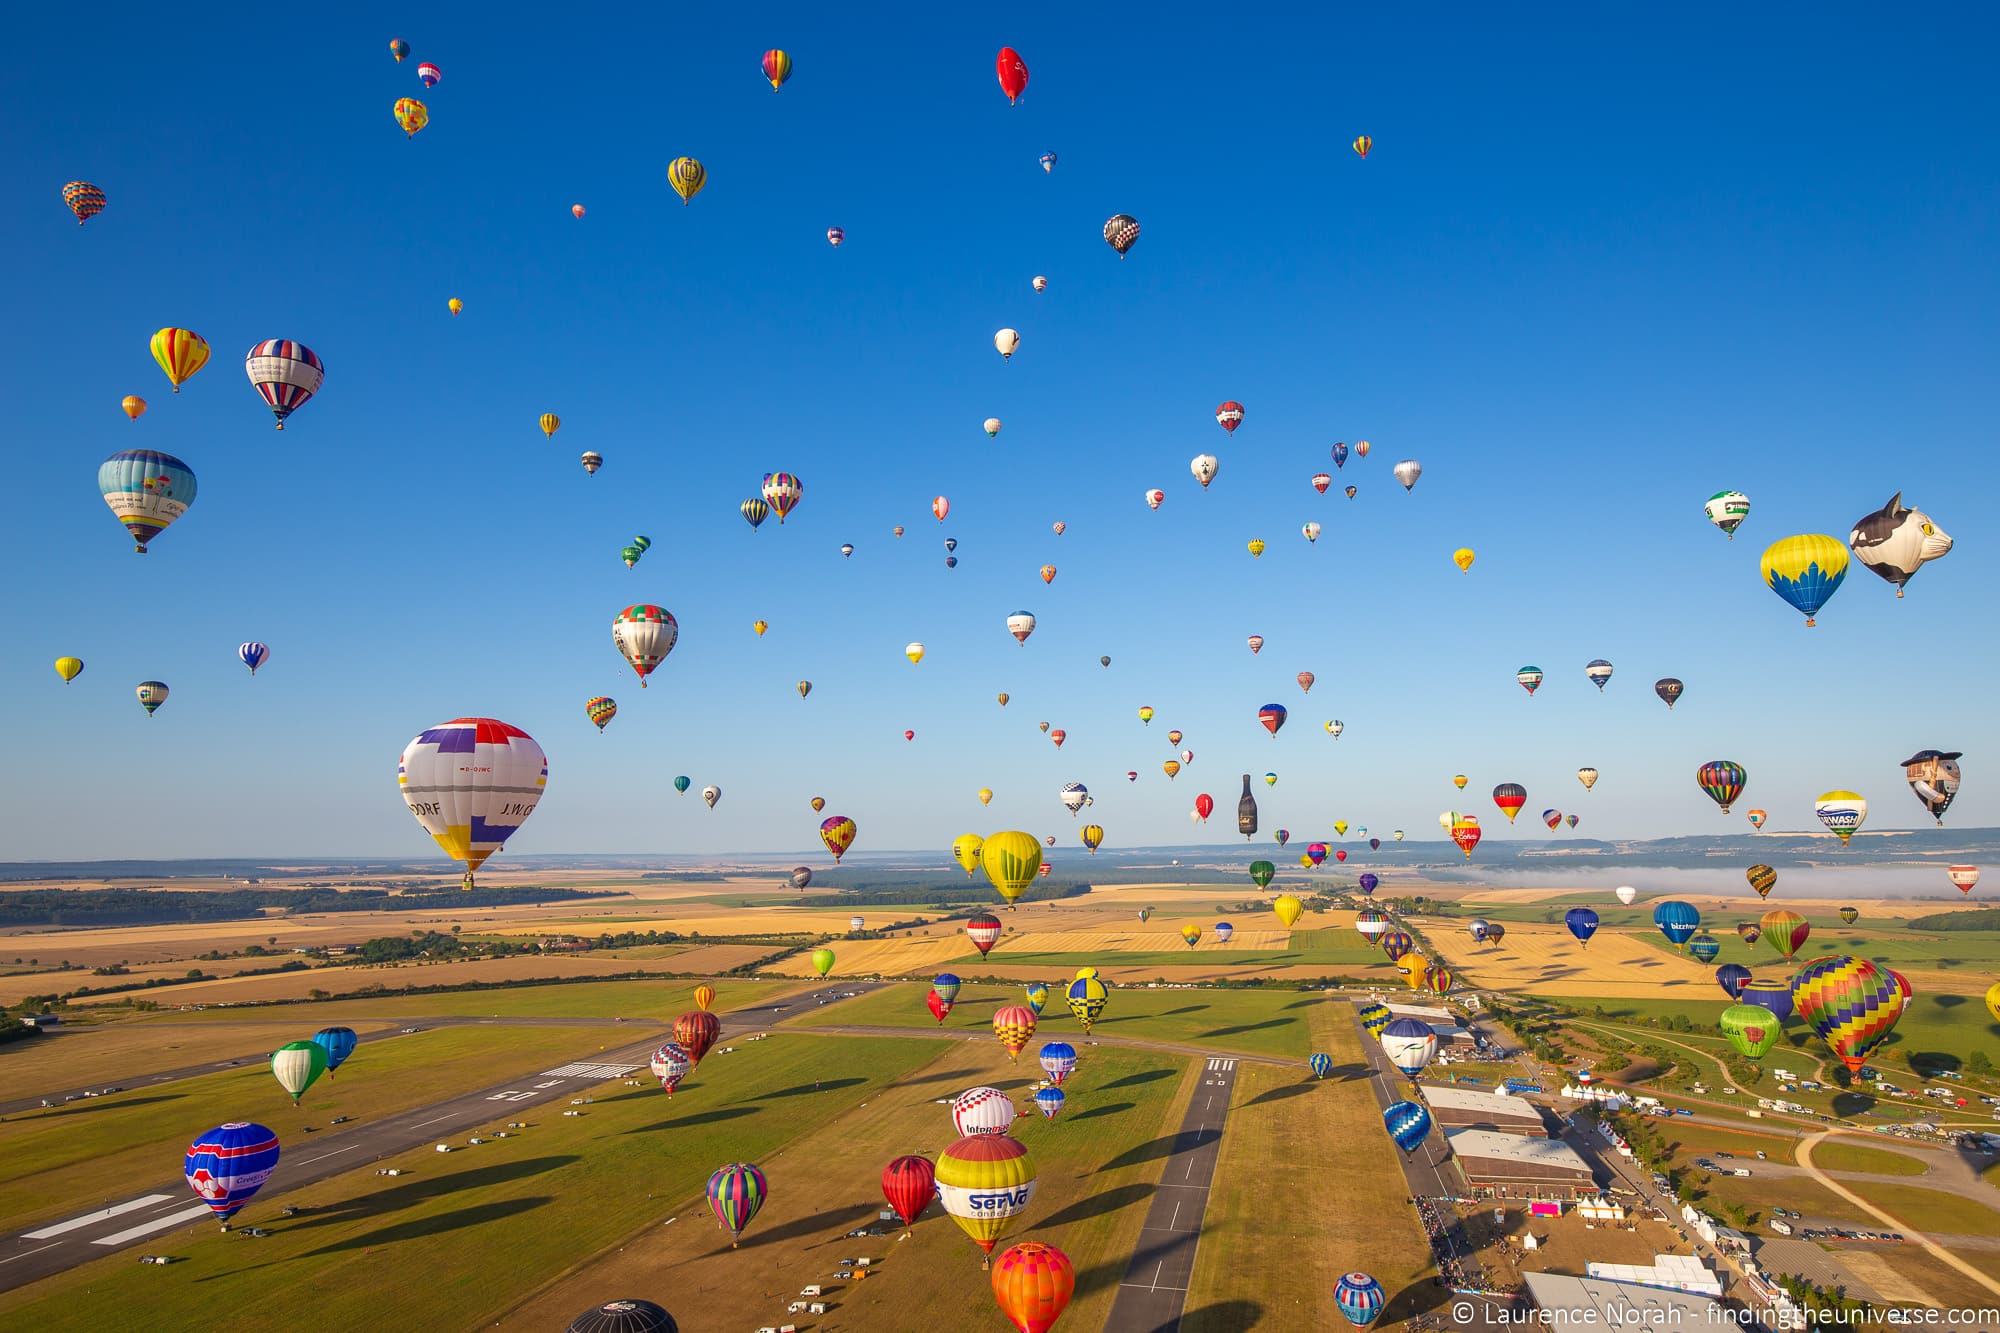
(1805, 570)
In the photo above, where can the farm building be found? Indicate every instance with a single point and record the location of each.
(1518, 1165)
(1455, 1107)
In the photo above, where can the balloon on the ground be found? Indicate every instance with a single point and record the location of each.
(1359, 1296)
(735, 1193)
(1408, 1123)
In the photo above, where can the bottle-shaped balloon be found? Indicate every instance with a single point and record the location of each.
(1246, 811)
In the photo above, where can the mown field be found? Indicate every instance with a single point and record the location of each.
(570, 999)
(124, 1052)
(1264, 1022)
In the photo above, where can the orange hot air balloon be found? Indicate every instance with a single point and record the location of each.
(704, 997)
(1059, 736)
(1014, 1025)
(1171, 767)
(940, 507)
(1173, 738)
(1049, 574)
(1362, 144)
(134, 405)
(1032, 1284)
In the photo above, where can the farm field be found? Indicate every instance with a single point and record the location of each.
(461, 1238)
(629, 999)
(1547, 960)
(1265, 1022)
(81, 1054)
(1096, 1168)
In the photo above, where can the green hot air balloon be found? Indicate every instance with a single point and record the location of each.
(1261, 873)
(297, 1065)
(1751, 1029)
(682, 783)
(822, 961)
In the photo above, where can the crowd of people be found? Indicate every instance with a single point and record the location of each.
(1457, 1268)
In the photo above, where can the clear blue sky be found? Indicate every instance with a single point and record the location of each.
(1598, 266)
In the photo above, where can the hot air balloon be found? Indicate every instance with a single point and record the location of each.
(550, 424)
(1749, 932)
(411, 114)
(600, 710)
(1676, 920)
(1805, 570)
(1762, 878)
(576, 211)
(592, 460)
(1843, 812)
(1154, 497)
(69, 668)
(1321, 480)
(1851, 1003)
(682, 783)
(1598, 672)
(429, 74)
(939, 1006)
(471, 782)
(837, 833)
(227, 1165)
(758, 627)
(1396, 944)
(1463, 558)
(686, 176)
(1668, 688)
(1964, 878)
(1012, 72)
(1170, 767)
(1727, 510)
(83, 199)
(1407, 472)
(1850, 915)
(711, 794)
(1774, 994)
(1204, 806)
(1732, 977)
(1465, 832)
(1587, 776)
(1359, 1296)
(802, 876)
(1625, 893)
(1934, 778)
(754, 512)
(670, 1064)
(1011, 861)
(1581, 922)
(1021, 624)
(985, 1182)
(1371, 924)
(1093, 838)
(1192, 934)
(1530, 678)
(1316, 852)
(1361, 145)
(1352, 491)
(1033, 1282)
(1552, 817)
(1086, 998)
(909, 1184)
(1229, 416)
(914, 651)
(180, 353)
(146, 491)
(1510, 797)
(983, 929)
(1896, 541)
(781, 491)
(1374, 1017)
(1014, 1026)
(1704, 946)
(1261, 873)
(1038, 995)
(1272, 716)
(644, 634)
(777, 68)
(986, 796)
(1006, 342)
(1203, 466)
(1256, 547)
(1571, 820)
(1121, 231)
(297, 1065)
(134, 405)
(1408, 1123)
(1409, 1043)
(805, 687)
(1784, 930)
(735, 1193)
(1723, 780)
(1751, 1028)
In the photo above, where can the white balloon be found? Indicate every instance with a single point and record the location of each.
(1005, 341)
(1408, 471)
(1626, 893)
(471, 782)
(1204, 467)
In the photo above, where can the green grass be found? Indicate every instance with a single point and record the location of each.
(455, 1242)
(665, 999)
(1263, 1022)
(1836, 1155)
(104, 1148)
(1935, 1211)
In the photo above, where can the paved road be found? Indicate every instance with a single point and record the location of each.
(19, 1104)
(1894, 1223)
(964, 1034)
(165, 1206)
(1154, 1292)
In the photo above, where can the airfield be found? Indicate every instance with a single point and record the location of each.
(1198, 1171)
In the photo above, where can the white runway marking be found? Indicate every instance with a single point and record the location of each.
(25, 1253)
(157, 1224)
(590, 1069)
(100, 1215)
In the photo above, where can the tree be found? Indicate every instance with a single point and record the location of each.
(1978, 1063)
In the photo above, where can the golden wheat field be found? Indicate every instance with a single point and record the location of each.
(1547, 960)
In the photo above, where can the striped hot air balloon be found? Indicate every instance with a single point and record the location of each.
(735, 1193)
(1510, 797)
(985, 1182)
(1014, 1026)
(782, 491)
(1058, 1061)
(1851, 1003)
(1723, 780)
(1784, 930)
(601, 709)
(1011, 860)
(1359, 1296)
(229, 1164)
(285, 374)
(180, 353)
(1375, 1016)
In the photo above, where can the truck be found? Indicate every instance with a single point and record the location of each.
(811, 1289)
(1782, 1227)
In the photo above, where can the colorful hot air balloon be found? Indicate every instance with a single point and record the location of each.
(644, 635)
(1086, 998)
(471, 782)
(1805, 570)
(1723, 780)
(982, 1111)
(297, 1065)
(837, 832)
(686, 176)
(983, 928)
(1021, 624)
(1676, 920)
(1204, 467)
(1014, 1026)
(1751, 1028)
(1552, 817)
(1581, 922)
(670, 1064)
(1849, 915)
(1374, 1017)
(1362, 144)
(1749, 932)
(1784, 930)
(1510, 797)
(1598, 672)
(1732, 977)
(411, 114)
(1058, 1058)
(1843, 812)
(1359, 1296)
(227, 1165)
(1727, 510)
(1466, 833)
(1703, 946)
(782, 491)
(1229, 416)
(69, 668)
(735, 1193)
(83, 199)
(777, 68)
(704, 996)
(1396, 945)
(939, 1006)
(1934, 778)
(1011, 860)
(1154, 498)
(1530, 678)
(1192, 934)
(1322, 480)
(429, 74)
(600, 710)
(180, 353)
(1762, 878)
(1757, 818)
(146, 491)
(909, 1184)
(1038, 995)
(985, 1182)
(1408, 1123)
(1121, 231)
(1851, 1003)
(1272, 716)
(1587, 776)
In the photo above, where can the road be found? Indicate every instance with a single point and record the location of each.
(1804, 1154)
(152, 1213)
(1154, 1293)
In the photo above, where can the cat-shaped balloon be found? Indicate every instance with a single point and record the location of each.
(1895, 541)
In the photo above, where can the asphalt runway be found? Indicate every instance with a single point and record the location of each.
(155, 1215)
(1154, 1292)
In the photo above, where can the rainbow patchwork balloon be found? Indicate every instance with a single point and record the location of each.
(735, 1193)
(1851, 1003)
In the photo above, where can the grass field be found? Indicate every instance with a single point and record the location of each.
(81, 1054)
(1837, 1155)
(580, 999)
(462, 1237)
(1275, 1268)
(1932, 1211)
(1262, 1022)
(105, 1148)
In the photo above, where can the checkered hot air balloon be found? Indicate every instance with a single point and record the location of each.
(782, 491)
(1851, 1003)
(285, 374)
(1086, 998)
(670, 1064)
(84, 199)
(601, 710)
(229, 1164)
(735, 1193)
(1014, 1025)
(1121, 230)
(978, 1111)
(471, 782)
(644, 635)
(1032, 1284)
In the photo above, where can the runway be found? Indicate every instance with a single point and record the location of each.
(1153, 1293)
(151, 1215)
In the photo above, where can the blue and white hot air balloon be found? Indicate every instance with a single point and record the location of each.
(229, 1164)
(253, 654)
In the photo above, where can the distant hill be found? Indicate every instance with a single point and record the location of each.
(1986, 918)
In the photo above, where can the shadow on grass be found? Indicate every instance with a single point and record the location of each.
(708, 1117)
(1413, 1300)
(418, 1227)
(1097, 1205)
(1216, 1317)
(94, 1104)
(1280, 1094)
(808, 1089)
(1239, 1028)
(398, 1197)
(827, 1219)
(1184, 1009)
(1102, 1109)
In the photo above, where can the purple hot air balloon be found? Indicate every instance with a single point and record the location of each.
(1368, 882)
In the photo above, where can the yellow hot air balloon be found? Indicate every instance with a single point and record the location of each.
(1011, 860)
(760, 626)
(69, 668)
(1587, 776)
(1286, 906)
(1093, 835)
(965, 850)
(986, 796)
(985, 1182)
(1362, 143)
(704, 997)
(687, 176)
(1458, 780)
(180, 352)
(412, 115)
(1256, 547)
(914, 651)
(455, 306)
(1463, 558)
(1412, 965)
(1305, 860)
(1340, 827)
(1993, 1001)
(1171, 767)
(1146, 714)
(1805, 570)
(134, 405)
(551, 423)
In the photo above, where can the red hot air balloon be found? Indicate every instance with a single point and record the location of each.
(940, 506)
(1321, 481)
(1229, 416)
(695, 1031)
(1510, 797)
(1204, 806)
(1013, 73)
(1059, 736)
(939, 1006)
(1306, 679)
(909, 1184)
(909, 735)
(984, 930)
(1340, 855)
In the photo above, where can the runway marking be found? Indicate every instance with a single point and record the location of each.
(103, 1213)
(157, 1224)
(434, 1119)
(590, 1069)
(1173, 1223)
(335, 1153)
(511, 1096)
(25, 1253)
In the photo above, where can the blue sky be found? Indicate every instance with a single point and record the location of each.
(1595, 269)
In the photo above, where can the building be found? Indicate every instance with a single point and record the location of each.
(1673, 1272)
(1601, 1209)
(1577, 1092)
(1597, 1302)
(1714, 1232)
(564, 944)
(1450, 1032)
(1455, 1107)
(1520, 1166)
